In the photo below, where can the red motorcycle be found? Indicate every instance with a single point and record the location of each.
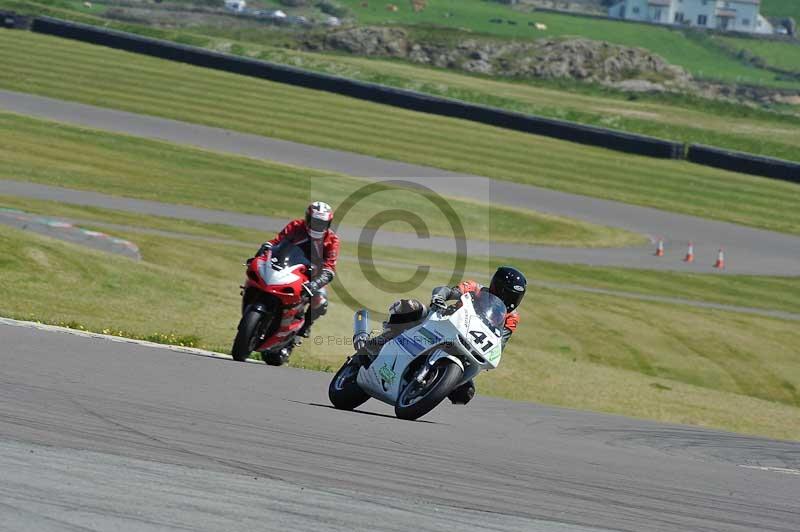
(273, 306)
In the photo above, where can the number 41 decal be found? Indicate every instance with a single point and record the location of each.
(479, 338)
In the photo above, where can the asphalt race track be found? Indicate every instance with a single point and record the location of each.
(99, 434)
(102, 435)
(748, 250)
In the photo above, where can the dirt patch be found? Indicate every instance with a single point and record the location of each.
(627, 112)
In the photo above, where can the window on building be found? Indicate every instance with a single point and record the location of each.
(702, 20)
(678, 17)
(745, 22)
(636, 10)
(705, 2)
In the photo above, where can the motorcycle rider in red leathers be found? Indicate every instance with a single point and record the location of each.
(320, 244)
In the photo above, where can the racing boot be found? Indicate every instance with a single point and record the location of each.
(312, 314)
(463, 394)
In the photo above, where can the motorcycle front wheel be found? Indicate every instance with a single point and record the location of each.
(343, 391)
(252, 329)
(419, 398)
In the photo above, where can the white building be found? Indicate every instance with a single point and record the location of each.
(236, 5)
(726, 15)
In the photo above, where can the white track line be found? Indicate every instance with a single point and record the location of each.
(110, 338)
(784, 470)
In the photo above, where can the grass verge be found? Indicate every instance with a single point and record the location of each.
(770, 293)
(650, 360)
(110, 78)
(144, 169)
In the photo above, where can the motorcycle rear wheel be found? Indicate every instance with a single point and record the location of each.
(343, 391)
(249, 335)
(417, 399)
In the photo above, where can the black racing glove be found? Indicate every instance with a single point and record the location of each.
(309, 290)
(438, 301)
(266, 246)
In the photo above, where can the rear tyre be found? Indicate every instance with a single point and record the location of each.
(344, 392)
(417, 399)
(251, 332)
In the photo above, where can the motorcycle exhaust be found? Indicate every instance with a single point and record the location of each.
(360, 328)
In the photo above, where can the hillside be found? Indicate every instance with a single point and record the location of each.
(696, 52)
(687, 115)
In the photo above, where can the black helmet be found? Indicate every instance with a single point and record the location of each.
(509, 284)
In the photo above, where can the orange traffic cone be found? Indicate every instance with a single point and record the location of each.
(720, 264)
(689, 253)
(660, 248)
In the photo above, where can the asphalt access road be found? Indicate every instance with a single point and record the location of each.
(108, 435)
(748, 251)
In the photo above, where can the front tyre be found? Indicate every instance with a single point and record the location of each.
(343, 391)
(251, 332)
(419, 398)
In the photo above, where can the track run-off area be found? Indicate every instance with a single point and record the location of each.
(103, 434)
(749, 250)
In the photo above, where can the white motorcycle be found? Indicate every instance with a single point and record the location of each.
(417, 369)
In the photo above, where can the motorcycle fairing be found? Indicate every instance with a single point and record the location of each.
(438, 336)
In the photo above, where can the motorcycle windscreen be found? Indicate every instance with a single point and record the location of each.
(286, 254)
(490, 309)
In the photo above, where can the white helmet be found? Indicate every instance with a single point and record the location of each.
(319, 216)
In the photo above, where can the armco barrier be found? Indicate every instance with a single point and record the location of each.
(744, 162)
(595, 136)
(12, 20)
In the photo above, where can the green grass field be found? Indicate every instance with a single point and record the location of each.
(771, 293)
(694, 51)
(774, 53)
(678, 47)
(144, 169)
(110, 78)
(781, 8)
(657, 361)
